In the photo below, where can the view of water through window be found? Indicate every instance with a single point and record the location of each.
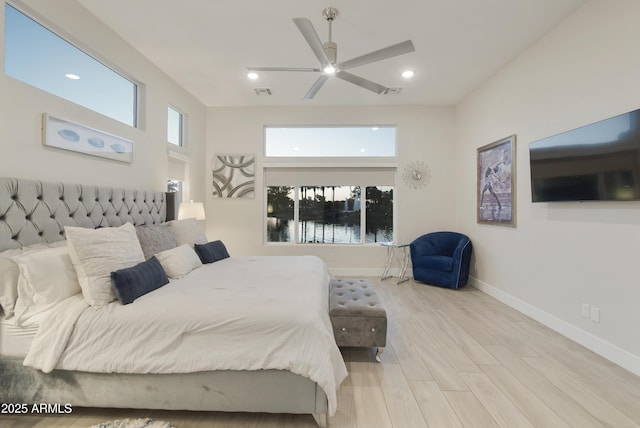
(329, 214)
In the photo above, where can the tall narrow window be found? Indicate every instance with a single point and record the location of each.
(174, 126)
(280, 214)
(38, 57)
(379, 215)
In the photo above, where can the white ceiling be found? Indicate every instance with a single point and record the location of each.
(206, 45)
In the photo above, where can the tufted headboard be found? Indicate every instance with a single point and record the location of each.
(33, 211)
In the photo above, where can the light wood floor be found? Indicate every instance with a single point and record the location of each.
(454, 359)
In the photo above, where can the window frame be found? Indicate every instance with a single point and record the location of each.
(181, 127)
(380, 163)
(138, 87)
(296, 217)
(330, 160)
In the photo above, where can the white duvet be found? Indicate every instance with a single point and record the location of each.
(239, 313)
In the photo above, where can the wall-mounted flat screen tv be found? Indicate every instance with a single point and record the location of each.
(597, 162)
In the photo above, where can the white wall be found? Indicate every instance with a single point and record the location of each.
(22, 106)
(423, 133)
(560, 255)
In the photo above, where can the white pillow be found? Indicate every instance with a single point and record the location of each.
(187, 231)
(46, 278)
(9, 274)
(95, 253)
(179, 261)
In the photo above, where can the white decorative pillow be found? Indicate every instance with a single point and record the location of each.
(9, 274)
(95, 253)
(187, 231)
(46, 278)
(179, 261)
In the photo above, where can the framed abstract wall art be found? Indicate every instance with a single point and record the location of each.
(67, 135)
(234, 176)
(496, 182)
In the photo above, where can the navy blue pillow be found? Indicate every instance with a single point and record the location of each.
(211, 252)
(130, 283)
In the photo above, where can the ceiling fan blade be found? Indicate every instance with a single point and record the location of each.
(362, 82)
(384, 53)
(316, 87)
(281, 69)
(306, 28)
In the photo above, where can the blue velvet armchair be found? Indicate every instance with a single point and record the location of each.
(441, 258)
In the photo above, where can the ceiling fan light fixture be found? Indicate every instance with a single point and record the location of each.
(330, 70)
(253, 75)
(327, 54)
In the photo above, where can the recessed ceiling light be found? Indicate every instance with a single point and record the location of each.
(252, 75)
(375, 128)
(408, 74)
(72, 76)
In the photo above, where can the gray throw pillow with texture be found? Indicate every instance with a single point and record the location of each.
(155, 239)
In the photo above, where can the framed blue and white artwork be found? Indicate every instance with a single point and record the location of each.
(67, 135)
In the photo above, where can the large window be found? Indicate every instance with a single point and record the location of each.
(38, 57)
(329, 185)
(330, 214)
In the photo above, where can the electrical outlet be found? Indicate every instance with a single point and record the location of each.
(595, 314)
(585, 310)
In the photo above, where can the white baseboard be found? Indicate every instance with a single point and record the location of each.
(607, 350)
(358, 272)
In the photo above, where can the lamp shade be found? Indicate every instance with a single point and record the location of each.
(191, 210)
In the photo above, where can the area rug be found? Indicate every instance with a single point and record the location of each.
(134, 423)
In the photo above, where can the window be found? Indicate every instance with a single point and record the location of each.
(329, 214)
(329, 185)
(175, 186)
(38, 57)
(327, 141)
(174, 126)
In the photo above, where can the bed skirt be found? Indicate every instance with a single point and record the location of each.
(269, 391)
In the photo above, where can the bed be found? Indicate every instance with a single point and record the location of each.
(241, 334)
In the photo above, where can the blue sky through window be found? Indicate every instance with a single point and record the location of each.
(174, 126)
(348, 141)
(36, 56)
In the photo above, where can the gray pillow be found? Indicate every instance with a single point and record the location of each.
(155, 239)
(188, 231)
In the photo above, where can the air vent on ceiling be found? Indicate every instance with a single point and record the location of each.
(263, 91)
(392, 91)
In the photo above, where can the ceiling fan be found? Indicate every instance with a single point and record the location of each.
(327, 55)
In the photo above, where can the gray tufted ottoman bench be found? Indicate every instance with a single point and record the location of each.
(357, 316)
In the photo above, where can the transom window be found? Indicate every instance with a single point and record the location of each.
(38, 57)
(329, 185)
(329, 141)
